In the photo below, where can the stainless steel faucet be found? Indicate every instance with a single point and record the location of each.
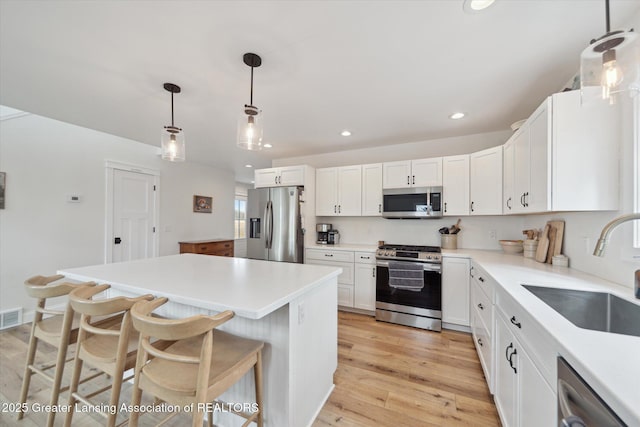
(604, 237)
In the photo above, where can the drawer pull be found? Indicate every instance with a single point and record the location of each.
(515, 322)
(203, 248)
(364, 257)
(471, 273)
(480, 306)
(328, 254)
(481, 279)
(480, 342)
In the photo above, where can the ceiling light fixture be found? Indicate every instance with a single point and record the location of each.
(609, 65)
(456, 116)
(345, 133)
(474, 6)
(250, 121)
(172, 140)
(267, 145)
(248, 166)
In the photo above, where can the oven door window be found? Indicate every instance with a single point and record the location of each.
(429, 297)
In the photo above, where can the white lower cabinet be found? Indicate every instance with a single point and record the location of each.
(357, 282)
(455, 291)
(522, 395)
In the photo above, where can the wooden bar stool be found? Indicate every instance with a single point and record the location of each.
(58, 329)
(109, 346)
(198, 367)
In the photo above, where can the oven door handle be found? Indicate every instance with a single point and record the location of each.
(426, 266)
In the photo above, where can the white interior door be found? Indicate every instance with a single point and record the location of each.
(134, 228)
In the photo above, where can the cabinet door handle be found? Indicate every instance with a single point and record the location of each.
(414, 179)
(480, 342)
(379, 208)
(522, 200)
(506, 352)
(471, 272)
(373, 272)
(515, 351)
(339, 208)
(408, 182)
(515, 322)
(480, 278)
(526, 199)
(471, 206)
(480, 306)
(509, 203)
(445, 207)
(335, 208)
(275, 180)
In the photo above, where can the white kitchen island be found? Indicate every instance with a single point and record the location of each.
(291, 307)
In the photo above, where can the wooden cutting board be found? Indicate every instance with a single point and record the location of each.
(552, 242)
(543, 245)
(557, 246)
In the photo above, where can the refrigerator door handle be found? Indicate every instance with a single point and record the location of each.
(270, 222)
(266, 225)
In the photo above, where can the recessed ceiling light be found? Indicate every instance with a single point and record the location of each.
(456, 116)
(267, 145)
(253, 182)
(345, 133)
(474, 6)
(248, 166)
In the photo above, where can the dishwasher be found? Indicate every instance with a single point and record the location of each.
(578, 404)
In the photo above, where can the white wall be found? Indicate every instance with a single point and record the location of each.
(582, 228)
(46, 159)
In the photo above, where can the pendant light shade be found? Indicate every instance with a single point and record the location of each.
(250, 128)
(173, 147)
(610, 65)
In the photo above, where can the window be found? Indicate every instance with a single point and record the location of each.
(240, 222)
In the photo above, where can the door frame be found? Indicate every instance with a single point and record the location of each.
(110, 167)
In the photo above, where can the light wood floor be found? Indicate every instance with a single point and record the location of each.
(388, 375)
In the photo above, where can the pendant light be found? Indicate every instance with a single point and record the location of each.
(172, 136)
(610, 64)
(250, 120)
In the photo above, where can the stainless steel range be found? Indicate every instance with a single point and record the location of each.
(409, 286)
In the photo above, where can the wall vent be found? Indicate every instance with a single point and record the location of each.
(10, 318)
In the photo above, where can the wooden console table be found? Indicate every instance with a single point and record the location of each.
(217, 247)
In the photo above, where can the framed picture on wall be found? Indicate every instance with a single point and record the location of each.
(202, 204)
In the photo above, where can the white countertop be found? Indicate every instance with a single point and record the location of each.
(345, 247)
(609, 362)
(251, 288)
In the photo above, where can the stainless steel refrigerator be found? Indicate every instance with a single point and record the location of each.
(274, 226)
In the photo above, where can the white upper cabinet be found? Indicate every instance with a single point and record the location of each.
(455, 185)
(563, 158)
(338, 191)
(507, 175)
(396, 174)
(372, 189)
(585, 154)
(412, 173)
(485, 175)
(426, 172)
(280, 177)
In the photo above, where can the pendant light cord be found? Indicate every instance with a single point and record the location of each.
(607, 16)
(172, 125)
(251, 97)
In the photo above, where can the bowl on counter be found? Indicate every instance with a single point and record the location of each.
(512, 246)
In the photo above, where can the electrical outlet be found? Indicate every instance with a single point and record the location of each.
(301, 313)
(493, 234)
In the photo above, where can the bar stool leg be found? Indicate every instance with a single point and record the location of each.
(31, 357)
(73, 387)
(257, 370)
(62, 355)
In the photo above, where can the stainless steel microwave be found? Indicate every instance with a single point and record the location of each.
(412, 203)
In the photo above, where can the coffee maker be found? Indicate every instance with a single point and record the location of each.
(323, 233)
(334, 237)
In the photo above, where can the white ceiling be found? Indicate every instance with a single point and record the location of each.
(389, 71)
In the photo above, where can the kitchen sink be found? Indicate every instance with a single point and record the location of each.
(598, 311)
